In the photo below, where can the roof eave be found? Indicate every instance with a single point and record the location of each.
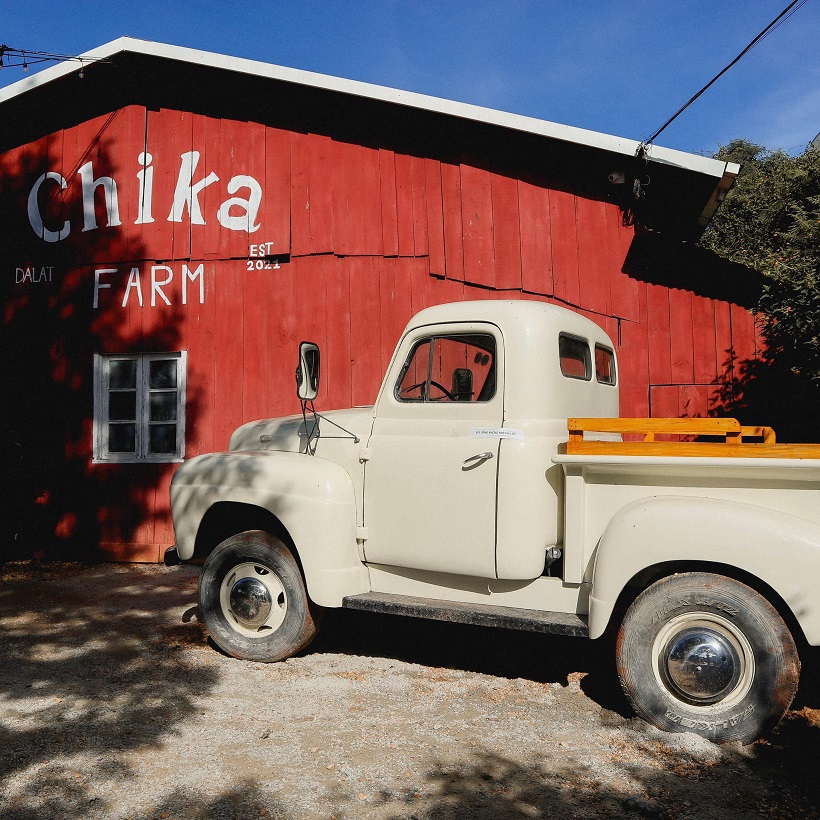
(519, 122)
(723, 173)
(719, 194)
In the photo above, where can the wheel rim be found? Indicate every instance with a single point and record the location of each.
(253, 599)
(703, 659)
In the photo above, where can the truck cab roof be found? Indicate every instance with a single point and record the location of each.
(553, 357)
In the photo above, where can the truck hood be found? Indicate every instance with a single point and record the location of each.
(289, 434)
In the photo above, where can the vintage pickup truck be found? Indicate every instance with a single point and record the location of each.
(492, 483)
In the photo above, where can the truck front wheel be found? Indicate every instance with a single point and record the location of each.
(704, 653)
(253, 599)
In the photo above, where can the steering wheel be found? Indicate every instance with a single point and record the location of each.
(420, 386)
(443, 389)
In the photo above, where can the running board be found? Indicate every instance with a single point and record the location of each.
(530, 620)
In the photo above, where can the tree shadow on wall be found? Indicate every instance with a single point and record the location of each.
(55, 502)
(766, 391)
(757, 391)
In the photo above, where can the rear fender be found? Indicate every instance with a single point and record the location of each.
(781, 550)
(314, 499)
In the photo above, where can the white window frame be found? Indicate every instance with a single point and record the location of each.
(101, 453)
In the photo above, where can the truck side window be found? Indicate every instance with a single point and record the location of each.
(574, 355)
(604, 365)
(458, 368)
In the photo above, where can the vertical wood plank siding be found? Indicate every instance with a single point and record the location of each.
(364, 237)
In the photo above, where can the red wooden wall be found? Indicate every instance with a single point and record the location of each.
(364, 238)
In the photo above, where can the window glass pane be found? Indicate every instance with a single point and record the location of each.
(122, 373)
(604, 365)
(162, 373)
(414, 379)
(162, 438)
(122, 406)
(463, 368)
(122, 438)
(164, 406)
(575, 358)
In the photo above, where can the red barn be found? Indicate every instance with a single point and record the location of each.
(174, 222)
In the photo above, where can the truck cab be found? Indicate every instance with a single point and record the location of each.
(458, 476)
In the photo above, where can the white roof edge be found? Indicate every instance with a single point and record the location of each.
(517, 122)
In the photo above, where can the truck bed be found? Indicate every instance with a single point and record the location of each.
(729, 463)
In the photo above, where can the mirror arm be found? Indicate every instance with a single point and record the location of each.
(312, 450)
(315, 429)
(355, 438)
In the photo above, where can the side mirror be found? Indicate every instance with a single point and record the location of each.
(307, 373)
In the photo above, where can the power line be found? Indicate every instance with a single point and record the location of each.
(776, 23)
(17, 57)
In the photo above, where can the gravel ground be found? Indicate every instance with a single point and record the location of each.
(113, 704)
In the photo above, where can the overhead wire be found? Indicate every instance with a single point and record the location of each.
(781, 18)
(25, 58)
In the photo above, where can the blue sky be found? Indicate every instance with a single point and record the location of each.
(617, 66)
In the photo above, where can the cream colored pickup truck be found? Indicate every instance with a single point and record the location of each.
(492, 483)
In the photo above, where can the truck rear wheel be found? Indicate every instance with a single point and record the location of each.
(704, 653)
(253, 599)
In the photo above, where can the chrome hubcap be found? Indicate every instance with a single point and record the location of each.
(701, 665)
(253, 600)
(250, 602)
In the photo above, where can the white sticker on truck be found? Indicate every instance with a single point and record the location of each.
(495, 432)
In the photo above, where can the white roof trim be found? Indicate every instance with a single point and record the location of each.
(566, 133)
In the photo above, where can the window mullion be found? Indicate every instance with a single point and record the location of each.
(142, 408)
(425, 394)
(182, 390)
(105, 388)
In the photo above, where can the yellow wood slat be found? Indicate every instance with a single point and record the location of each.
(730, 429)
(672, 426)
(648, 427)
(765, 433)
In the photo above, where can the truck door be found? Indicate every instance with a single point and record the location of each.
(432, 459)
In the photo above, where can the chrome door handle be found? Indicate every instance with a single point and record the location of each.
(478, 457)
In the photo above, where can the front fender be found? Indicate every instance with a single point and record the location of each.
(313, 498)
(779, 549)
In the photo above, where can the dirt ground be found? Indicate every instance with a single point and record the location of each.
(114, 705)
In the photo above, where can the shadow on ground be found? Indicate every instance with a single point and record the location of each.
(499, 652)
(89, 666)
(775, 777)
(97, 661)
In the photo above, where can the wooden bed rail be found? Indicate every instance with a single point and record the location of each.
(730, 429)
(737, 440)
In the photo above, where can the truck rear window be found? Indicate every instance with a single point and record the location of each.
(573, 352)
(604, 365)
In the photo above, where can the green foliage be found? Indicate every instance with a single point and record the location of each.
(770, 221)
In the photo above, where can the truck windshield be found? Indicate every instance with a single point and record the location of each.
(457, 368)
